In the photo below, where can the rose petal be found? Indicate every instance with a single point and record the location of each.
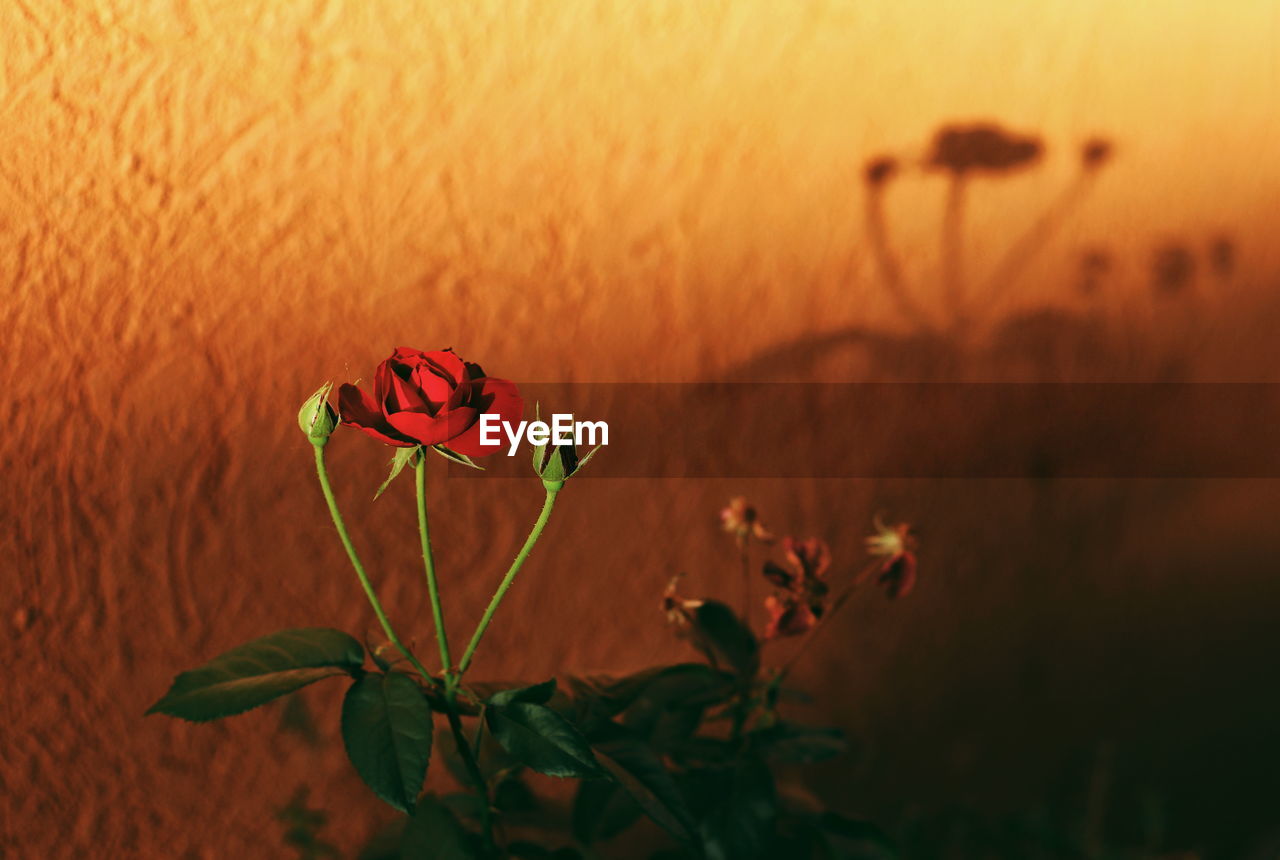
(357, 409)
(436, 388)
(434, 430)
(406, 396)
(494, 397)
(382, 383)
(445, 361)
(407, 354)
(778, 576)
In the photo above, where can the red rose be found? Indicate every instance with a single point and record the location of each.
(430, 398)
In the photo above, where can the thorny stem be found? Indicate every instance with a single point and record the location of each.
(472, 766)
(455, 724)
(359, 568)
(442, 641)
(536, 533)
(437, 613)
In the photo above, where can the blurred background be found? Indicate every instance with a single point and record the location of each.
(209, 208)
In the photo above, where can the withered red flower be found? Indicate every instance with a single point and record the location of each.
(788, 617)
(810, 558)
(896, 545)
(430, 398)
(801, 597)
(679, 610)
(898, 574)
(742, 521)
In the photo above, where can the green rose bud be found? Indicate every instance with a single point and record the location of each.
(555, 464)
(317, 418)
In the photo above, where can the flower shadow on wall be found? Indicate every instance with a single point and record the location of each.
(966, 334)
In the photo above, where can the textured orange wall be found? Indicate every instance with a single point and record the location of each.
(207, 208)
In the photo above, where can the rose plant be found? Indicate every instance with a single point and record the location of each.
(692, 746)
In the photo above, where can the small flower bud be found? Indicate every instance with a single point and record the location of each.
(555, 464)
(317, 418)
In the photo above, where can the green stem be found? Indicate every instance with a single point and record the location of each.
(359, 568)
(507, 580)
(437, 613)
(472, 766)
(442, 641)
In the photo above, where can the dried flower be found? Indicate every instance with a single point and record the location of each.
(800, 599)
(788, 617)
(741, 520)
(810, 558)
(679, 611)
(888, 540)
(898, 575)
(896, 545)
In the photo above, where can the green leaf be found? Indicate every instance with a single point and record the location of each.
(582, 462)
(703, 751)
(670, 704)
(464, 805)
(434, 834)
(403, 457)
(644, 777)
(788, 742)
(513, 795)
(691, 684)
(540, 738)
(259, 671)
(386, 728)
(739, 825)
(725, 638)
(538, 694)
(455, 457)
(602, 810)
(667, 729)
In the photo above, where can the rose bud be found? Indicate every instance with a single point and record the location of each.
(556, 464)
(430, 399)
(317, 418)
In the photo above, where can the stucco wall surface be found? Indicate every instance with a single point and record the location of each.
(208, 208)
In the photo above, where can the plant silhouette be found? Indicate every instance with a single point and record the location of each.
(948, 340)
(963, 152)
